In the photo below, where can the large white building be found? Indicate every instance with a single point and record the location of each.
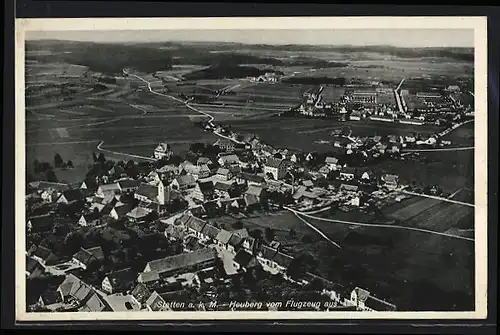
(275, 167)
(163, 150)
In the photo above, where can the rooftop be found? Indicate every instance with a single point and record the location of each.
(181, 261)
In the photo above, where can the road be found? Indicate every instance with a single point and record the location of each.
(375, 225)
(438, 198)
(440, 149)
(317, 230)
(210, 117)
(99, 147)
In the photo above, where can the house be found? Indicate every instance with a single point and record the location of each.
(39, 224)
(138, 214)
(183, 182)
(195, 225)
(204, 191)
(122, 303)
(266, 255)
(45, 256)
(390, 181)
(224, 145)
(141, 293)
(209, 232)
(186, 262)
(191, 243)
(117, 171)
(235, 243)
(108, 189)
(86, 257)
(204, 161)
(223, 238)
(258, 192)
(163, 151)
(347, 173)
(349, 188)
(275, 168)
(70, 197)
(244, 261)
(33, 268)
(146, 193)
(156, 303)
(150, 279)
(228, 160)
(306, 197)
(250, 244)
(118, 281)
(49, 195)
(281, 261)
(250, 179)
(367, 176)
(175, 232)
(119, 212)
(332, 163)
(224, 174)
(222, 189)
(94, 303)
(203, 172)
(91, 219)
(325, 170)
(128, 185)
(49, 297)
(45, 185)
(73, 289)
(364, 301)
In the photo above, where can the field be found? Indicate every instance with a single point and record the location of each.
(462, 136)
(399, 266)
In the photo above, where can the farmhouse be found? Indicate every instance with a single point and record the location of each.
(347, 173)
(332, 163)
(44, 256)
(119, 212)
(38, 224)
(224, 144)
(204, 161)
(70, 197)
(364, 301)
(224, 174)
(265, 255)
(222, 189)
(195, 225)
(118, 281)
(107, 190)
(204, 191)
(275, 168)
(163, 150)
(138, 214)
(128, 185)
(390, 181)
(85, 257)
(122, 303)
(193, 261)
(91, 219)
(228, 160)
(183, 182)
(244, 261)
(250, 179)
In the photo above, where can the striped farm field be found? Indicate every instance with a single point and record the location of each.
(412, 207)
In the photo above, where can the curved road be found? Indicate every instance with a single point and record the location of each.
(374, 225)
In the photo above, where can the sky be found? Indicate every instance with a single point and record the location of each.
(395, 37)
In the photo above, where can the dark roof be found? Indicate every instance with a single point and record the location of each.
(349, 187)
(181, 261)
(267, 252)
(243, 258)
(222, 186)
(235, 240)
(206, 187)
(121, 211)
(186, 179)
(349, 170)
(283, 259)
(250, 199)
(72, 195)
(44, 253)
(31, 264)
(251, 177)
(44, 185)
(147, 190)
(224, 236)
(210, 231)
(92, 216)
(196, 224)
(128, 183)
(84, 257)
(96, 252)
(50, 297)
(273, 162)
(121, 279)
(41, 223)
(141, 293)
(176, 231)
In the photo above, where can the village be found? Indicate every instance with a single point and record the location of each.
(178, 207)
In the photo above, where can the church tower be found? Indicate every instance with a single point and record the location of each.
(163, 192)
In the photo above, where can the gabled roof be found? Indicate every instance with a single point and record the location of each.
(92, 216)
(254, 190)
(250, 199)
(283, 259)
(121, 279)
(267, 252)
(223, 141)
(390, 178)
(50, 297)
(128, 183)
(223, 171)
(32, 264)
(122, 303)
(44, 253)
(45, 185)
(275, 163)
(229, 158)
(210, 231)
(93, 304)
(84, 257)
(251, 177)
(224, 236)
(72, 195)
(195, 223)
(108, 188)
(181, 261)
(222, 186)
(156, 302)
(244, 259)
(148, 191)
(138, 213)
(185, 180)
(148, 277)
(121, 211)
(141, 293)
(163, 147)
(331, 160)
(349, 187)
(97, 252)
(235, 240)
(348, 170)
(243, 232)
(41, 223)
(203, 161)
(206, 187)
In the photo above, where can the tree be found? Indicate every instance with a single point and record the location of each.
(101, 159)
(269, 234)
(58, 161)
(292, 233)
(70, 164)
(94, 157)
(51, 176)
(256, 234)
(36, 166)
